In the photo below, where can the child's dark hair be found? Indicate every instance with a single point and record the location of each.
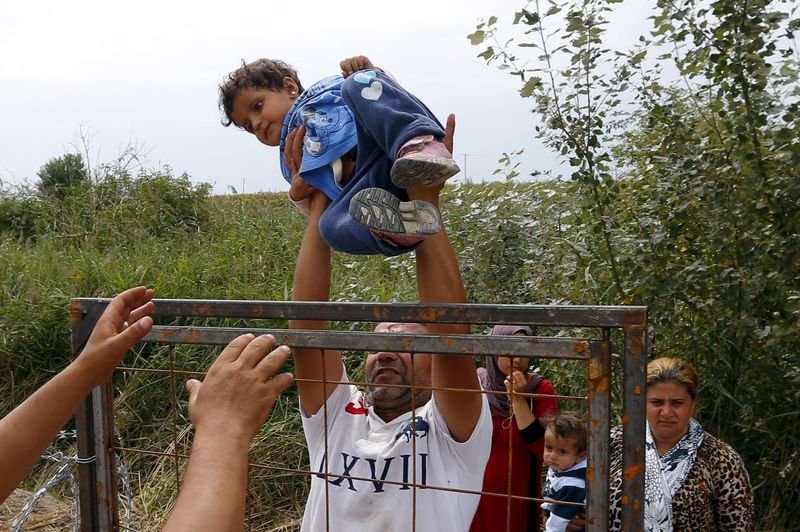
(567, 425)
(260, 74)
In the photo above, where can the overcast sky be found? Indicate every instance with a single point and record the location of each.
(147, 72)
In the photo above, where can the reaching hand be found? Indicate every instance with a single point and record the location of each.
(240, 388)
(29, 428)
(354, 64)
(125, 321)
(227, 410)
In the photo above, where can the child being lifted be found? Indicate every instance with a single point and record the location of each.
(367, 143)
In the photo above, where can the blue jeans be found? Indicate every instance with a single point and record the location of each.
(387, 116)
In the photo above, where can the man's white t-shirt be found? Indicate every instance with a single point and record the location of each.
(387, 458)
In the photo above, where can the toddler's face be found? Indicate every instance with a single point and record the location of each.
(560, 453)
(261, 112)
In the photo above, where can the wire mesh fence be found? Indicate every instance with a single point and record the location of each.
(162, 373)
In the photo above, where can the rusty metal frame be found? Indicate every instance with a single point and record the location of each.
(94, 419)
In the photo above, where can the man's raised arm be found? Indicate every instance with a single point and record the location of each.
(439, 281)
(312, 282)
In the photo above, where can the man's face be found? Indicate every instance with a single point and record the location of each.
(390, 375)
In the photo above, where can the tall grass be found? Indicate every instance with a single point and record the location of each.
(515, 242)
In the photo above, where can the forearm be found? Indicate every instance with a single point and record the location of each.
(312, 282)
(214, 488)
(522, 412)
(439, 278)
(312, 274)
(439, 281)
(27, 431)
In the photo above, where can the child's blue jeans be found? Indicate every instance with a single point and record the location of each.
(387, 116)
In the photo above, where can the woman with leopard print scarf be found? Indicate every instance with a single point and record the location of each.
(693, 481)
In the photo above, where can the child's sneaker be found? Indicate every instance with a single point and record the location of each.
(403, 223)
(423, 161)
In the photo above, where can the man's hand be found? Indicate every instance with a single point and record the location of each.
(449, 132)
(299, 189)
(293, 157)
(293, 151)
(124, 322)
(240, 388)
(227, 410)
(354, 64)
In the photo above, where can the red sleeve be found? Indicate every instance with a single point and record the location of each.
(532, 435)
(545, 405)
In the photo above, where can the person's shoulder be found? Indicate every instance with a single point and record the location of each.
(545, 386)
(719, 451)
(483, 428)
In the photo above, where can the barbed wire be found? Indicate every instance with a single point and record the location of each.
(124, 476)
(64, 472)
(65, 465)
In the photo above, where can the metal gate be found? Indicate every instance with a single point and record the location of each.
(95, 419)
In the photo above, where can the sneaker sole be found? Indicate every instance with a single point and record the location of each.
(408, 172)
(380, 210)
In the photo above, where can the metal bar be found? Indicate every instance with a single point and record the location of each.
(106, 464)
(84, 430)
(633, 421)
(83, 321)
(84, 316)
(597, 471)
(544, 347)
(553, 315)
(94, 421)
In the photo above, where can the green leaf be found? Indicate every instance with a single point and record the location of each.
(477, 37)
(527, 90)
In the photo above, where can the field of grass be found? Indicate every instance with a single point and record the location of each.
(515, 242)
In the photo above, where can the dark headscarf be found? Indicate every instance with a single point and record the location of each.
(493, 379)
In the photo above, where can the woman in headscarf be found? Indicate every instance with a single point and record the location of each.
(517, 432)
(693, 481)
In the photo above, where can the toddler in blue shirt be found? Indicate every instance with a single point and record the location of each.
(366, 142)
(565, 456)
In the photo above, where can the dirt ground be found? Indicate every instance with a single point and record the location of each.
(48, 516)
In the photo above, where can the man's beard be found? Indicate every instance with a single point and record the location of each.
(397, 396)
(390, 395)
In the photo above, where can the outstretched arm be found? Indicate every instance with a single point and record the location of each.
(28, 429)
(312, 282)
(227, 411)
(439, 281)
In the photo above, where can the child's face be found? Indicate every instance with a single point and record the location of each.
(261, 112)
(559, 453)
